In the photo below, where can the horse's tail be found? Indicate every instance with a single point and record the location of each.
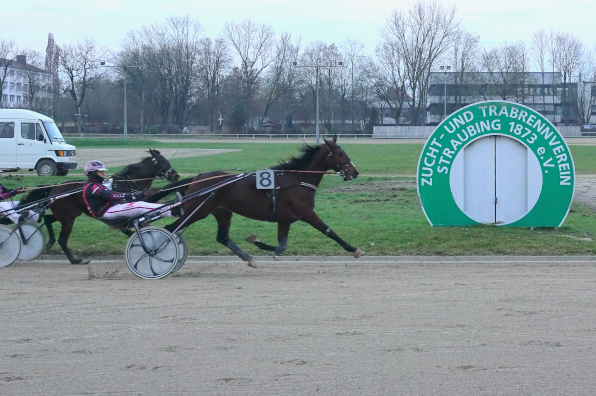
(168, 189)
(36, 194)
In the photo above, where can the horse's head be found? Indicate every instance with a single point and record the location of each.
(339, 161)
(160, 167)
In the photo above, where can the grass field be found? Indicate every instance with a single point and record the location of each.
(376, 213)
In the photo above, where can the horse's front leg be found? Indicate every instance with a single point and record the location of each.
(283, 229)
(314, 220)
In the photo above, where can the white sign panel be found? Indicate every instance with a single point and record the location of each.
(265, 179)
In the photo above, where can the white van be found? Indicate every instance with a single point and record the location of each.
(29, 140)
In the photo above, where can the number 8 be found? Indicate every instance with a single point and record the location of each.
(265, 179)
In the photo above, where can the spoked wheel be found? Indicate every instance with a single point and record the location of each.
(34, 242)
(162, 257)
(10, 246)
(182, 251)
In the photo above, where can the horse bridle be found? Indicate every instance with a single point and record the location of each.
(342, 172)
(163, 174)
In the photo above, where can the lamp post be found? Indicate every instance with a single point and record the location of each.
(318, 66)
(103, 64)
(81, 122)
(445, 70)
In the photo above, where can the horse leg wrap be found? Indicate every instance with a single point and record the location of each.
(64, 245)
(227, 242)
(283, 243)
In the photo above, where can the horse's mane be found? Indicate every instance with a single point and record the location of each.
(128, 170)
(302, 161)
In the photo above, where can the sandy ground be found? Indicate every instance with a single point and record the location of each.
(405, 327)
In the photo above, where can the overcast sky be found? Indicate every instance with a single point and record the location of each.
(28, 22)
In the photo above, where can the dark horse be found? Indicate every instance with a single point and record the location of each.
(293, 199)
(135, 177)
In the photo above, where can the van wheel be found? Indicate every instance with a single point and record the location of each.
(62, 172)
(46, 168)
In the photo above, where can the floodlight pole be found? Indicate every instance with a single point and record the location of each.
(103, 64)
(317, 66)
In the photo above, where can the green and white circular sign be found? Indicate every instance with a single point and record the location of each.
(496, 162)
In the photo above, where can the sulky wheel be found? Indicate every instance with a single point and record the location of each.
(33, 243)
(10, 246)
(162, 257)
(182, 251)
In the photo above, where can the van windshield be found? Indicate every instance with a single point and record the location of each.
(53, 132)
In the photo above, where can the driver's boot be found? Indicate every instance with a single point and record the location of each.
(178, 210)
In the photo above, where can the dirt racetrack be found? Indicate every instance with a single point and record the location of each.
(402, 326)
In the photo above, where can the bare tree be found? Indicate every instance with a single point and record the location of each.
(464, 58)
(352, 55)
(254, 44)
(387, 77)
(8, 51)
(80, 69)
(421, 35)
(586, 81)
(321, 59)
(214, 61)
(505, 68)
(539, 50)
(567, 53)
(280, 72)
(169, 55)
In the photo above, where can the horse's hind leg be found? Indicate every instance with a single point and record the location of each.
(63, 242)
(224, 220)
(314, 220)
(48, 220)
(282, 237)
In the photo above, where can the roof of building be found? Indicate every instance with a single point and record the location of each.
(481, 77)
(20, 66)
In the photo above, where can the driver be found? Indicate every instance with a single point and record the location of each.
(6, 193)
(103, 202)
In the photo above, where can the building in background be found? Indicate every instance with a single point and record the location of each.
(544, 92)
(27, 87)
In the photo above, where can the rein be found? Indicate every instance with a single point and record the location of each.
(228, 175)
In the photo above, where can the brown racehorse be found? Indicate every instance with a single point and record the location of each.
(66, 210)
(293, 199)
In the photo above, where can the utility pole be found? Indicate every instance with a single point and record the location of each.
(103, 64)
(318, 66)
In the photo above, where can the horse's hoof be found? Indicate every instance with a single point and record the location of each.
(252, 238)
(251, 264)
(80, 262)
(359, 253)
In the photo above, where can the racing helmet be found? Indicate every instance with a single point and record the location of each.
(94, 166)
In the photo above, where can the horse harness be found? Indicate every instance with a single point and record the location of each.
(272, 194)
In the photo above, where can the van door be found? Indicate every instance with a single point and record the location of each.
(8, 145)
(30, 144)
